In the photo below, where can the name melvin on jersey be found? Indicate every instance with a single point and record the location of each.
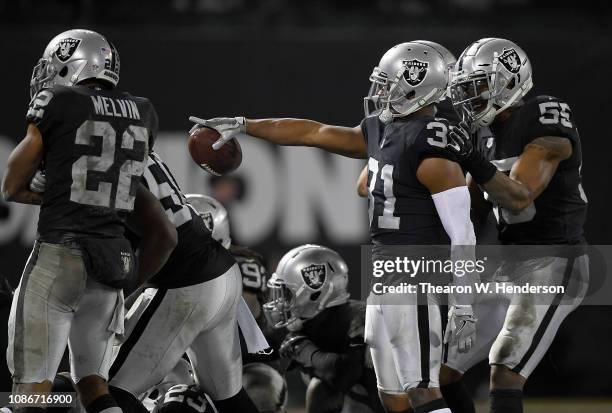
(121, 108)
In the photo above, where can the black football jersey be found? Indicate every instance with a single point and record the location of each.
(197, 257)
(95, 145)
(401, 209)
(556, 216)
(338, 328)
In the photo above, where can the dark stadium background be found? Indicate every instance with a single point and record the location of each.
(274, 58)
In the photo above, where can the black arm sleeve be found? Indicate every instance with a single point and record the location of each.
(339, 370)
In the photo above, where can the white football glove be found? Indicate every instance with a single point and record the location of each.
(38, 182)
(461, 328)
(227, 127)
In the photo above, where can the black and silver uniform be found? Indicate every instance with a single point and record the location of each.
(197, 257)
(95, 145)
(401, 209)
(556, 216)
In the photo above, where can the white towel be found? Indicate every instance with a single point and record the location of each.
(116, 324)
(254, 338)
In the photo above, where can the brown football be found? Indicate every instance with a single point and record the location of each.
(220, 162)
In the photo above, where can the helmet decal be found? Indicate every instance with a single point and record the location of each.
(510, 60)
(314, 275)
(66, 48)
(209, 221)
(415, 71)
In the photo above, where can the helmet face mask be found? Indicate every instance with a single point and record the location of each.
(281, 301)
(42, 73)
(472, 95)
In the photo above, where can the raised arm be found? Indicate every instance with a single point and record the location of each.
(337, 139)
(22, 164)
(291, 132)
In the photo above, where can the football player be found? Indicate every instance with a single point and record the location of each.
(251, 263)
(417, 195)
(444, 109)
(91, 140)
(190, 307)
(254, 276)
(309, 297)
(526, 162)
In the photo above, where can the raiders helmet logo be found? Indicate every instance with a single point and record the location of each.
(66, 48)
(415, 71)
(208, 221)
(511, 60)
(314, 275)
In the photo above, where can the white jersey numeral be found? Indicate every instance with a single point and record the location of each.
(386, 220)
(441, 133)
(103, 162)
(251, 274)
(553, 113)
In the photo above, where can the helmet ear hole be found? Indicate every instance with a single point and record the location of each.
(511, 83)
(64, 71)
(315, 296)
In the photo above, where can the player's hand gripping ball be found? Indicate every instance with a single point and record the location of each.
(217, 162)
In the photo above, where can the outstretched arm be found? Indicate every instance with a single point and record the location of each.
(21, 166)
(290, 132)
(531, 173)
(337, 139)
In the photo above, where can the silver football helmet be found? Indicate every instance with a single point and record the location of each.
(307, 280)
(490, 76)
(214, 215)
(409, 76)
(74, 56)
(447, 55)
